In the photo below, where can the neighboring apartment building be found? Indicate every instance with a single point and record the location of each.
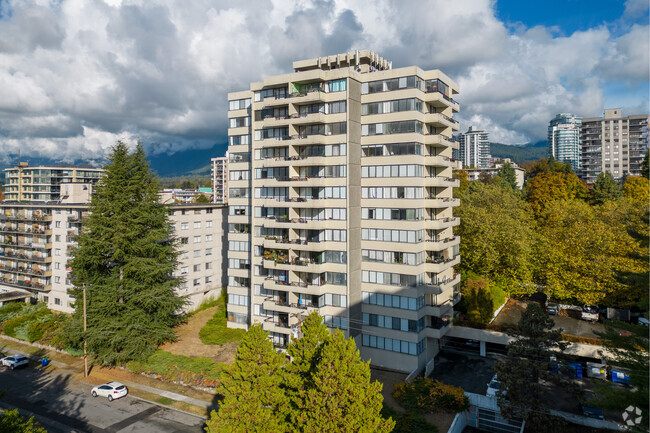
(520, 173)
(36, 240)
(564, 139)
(201, 230)
(613, 144)
(340, 200)
(474, 148)
(183, 196)
(220, 179)
(46, 182)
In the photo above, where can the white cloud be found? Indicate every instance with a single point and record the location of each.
(75, 76)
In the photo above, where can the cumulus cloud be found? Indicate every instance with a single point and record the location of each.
(76, 76)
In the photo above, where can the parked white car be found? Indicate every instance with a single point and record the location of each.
(112, 390)
(15, 361)
(493, 387)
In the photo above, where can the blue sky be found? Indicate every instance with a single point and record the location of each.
(77, 76)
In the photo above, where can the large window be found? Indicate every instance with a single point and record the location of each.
(394, 323)
(236, 140)
(385, 235)
(392, 279)
(392, 192)
(323, 171)
(401, 127)
(392, 149)
(393, 345)
(392, 257)
(392, 84)
(392, 301)
(391, 214)
(238, 122)
(410, 104)
(239, 104)
(323, 150)
(315, 193)
(403, 170)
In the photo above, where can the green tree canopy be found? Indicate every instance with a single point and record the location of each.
(125, 256)
(496, 235)
(549, 187)
(637, 189)
(508, 174)
(605, 188)
(201, 198)
(645, 166)
(254, 400)
(477, 300)
(11, 421)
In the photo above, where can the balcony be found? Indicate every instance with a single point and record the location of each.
(442, 223)
(441, 202)
(438, 264)
(437, 329)
(437, 244)
(283, 307)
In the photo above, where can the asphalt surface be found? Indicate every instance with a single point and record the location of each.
(63, 405)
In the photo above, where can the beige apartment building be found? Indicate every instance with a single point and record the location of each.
(37, 239)
(220, 179)
(340, 201)
(49, 182)
(613, 144)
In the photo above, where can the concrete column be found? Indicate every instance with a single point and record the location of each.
(482, 348)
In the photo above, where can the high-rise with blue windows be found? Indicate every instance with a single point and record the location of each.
(564, 139)
(340, 201)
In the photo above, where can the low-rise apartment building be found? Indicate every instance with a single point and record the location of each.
(44, 183)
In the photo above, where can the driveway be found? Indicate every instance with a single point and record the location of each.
(64, 405)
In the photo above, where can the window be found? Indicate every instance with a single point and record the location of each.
(239, 104)
(185, 226)
(208, 238)
(208, 224)
(57, 238)
(57, 252)
(197, 253)
(57, 301)
(184, 241)
(184, 270)
(197, 268)
(57, 280)
(208, 251)
(208, 279)
(208, 265)
(57, 266)
(197, 239)
(196, 282)
(197, 224)
(57, 224)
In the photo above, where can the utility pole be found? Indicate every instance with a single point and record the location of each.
(85, 358)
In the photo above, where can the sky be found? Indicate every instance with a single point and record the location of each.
(76, 76)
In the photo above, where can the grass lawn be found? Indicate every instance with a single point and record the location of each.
(216, 330)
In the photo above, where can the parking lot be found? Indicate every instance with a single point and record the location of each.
(568, 320)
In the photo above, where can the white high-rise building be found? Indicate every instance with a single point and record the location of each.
(474, 148)
(340, 201)
(564, 139)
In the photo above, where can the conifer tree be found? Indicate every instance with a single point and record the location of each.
(508, 174)
(253, 398)
(125, 257)
(605, 188)
(340, 397)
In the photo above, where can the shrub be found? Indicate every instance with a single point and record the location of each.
(408, 422)
(10, 310)
(191, 371)
(12, 325)
(425, 394)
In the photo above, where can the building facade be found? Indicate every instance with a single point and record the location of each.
(520, 174)
(564, 139)
(220, 179)
(474, 148)
(46, 182)
(37, 239)
(340, 201)
(613, 144)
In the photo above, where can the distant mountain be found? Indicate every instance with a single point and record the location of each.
(520, 153)
(192, 161)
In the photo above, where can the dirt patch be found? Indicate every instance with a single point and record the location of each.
(189, 344)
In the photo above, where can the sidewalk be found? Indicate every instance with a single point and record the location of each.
(129, 384)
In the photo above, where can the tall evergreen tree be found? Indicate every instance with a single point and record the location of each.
(125, 257)
(253, 398)
(507, 173)
(605, 188)
(645, 166)
(341, 398)
(521, 393)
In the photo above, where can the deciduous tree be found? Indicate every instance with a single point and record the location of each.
(549, 187)
(637, 189)
(125, 257)
(477, 300)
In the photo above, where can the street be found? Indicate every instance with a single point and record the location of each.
(64, 405)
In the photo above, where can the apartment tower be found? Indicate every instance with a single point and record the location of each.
(474, 148)
(564, 139)
(220, 179)
(49, 182)
(340, 201)
(613, 144)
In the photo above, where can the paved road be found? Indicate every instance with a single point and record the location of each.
(64, 405)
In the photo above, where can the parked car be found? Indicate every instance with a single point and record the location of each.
(590, 313)
(552, 308)
(112, 390)
(15, 361)
(493, 387)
